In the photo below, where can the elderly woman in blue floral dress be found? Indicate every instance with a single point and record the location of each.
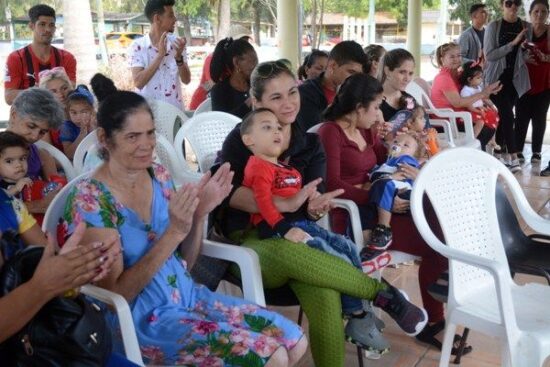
(177, 321)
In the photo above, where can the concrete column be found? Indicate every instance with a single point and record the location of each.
(345, 31)
(287, 30)
(372, 23)
(414, 26)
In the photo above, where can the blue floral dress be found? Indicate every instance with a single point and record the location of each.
(178, 321)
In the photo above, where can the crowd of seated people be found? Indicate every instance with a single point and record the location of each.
(272, 181)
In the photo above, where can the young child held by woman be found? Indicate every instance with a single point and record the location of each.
(387, 183)
(266, 176)
(484, 112)
(14, 152)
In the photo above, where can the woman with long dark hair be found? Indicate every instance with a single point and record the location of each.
(230, 68)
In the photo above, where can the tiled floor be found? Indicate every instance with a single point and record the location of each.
(406, 352)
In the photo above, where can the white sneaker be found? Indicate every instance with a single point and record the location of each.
(514, 166)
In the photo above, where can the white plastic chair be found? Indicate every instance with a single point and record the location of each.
(168, 118)
(205, 106)
(169, 159)
(60, 157)
(81, 150)
(461, 185)
(455, 138)
(206, 133)
(164, 151)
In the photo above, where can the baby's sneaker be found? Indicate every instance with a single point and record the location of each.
(362, 331)
(381, 237)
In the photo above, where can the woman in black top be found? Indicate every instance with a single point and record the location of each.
(232, 64)
(397, 72)
(318, 279)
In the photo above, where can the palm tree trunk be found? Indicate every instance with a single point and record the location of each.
(78, 35)
(256, 10)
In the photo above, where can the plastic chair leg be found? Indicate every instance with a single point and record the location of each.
(360, 356)
(461, 346)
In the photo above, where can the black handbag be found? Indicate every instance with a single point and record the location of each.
(66, 332)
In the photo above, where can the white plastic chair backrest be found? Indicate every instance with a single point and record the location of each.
(460, 184)
(205, 106)
(168, 158)
(57, 206)
(420, 95)
(206, 133)
(60, 157)
(315, 128)
(168, 118)
(82, 149)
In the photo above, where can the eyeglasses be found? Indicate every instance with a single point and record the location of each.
(266, 70)
(509, 3)
(58, 70)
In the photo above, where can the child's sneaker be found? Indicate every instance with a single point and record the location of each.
(410, 318)
(380, 238)
(364, 333)
(521, 158)
(536, 158)
(373, 260)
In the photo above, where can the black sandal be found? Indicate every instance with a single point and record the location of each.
(428, 336)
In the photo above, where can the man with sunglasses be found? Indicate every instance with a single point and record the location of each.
(23, 66)
(345, 59)
(471, 40)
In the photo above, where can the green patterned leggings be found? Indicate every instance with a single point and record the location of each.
(317, 279)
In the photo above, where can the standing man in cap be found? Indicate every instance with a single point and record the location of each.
(158, 60)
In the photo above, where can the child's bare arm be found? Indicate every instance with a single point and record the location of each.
(19, 185)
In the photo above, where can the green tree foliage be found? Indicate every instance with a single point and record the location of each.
(360, 8)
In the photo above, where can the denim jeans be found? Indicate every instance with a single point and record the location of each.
(339, 246)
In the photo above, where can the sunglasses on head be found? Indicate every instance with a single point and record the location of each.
(267, 69)
(509, 3)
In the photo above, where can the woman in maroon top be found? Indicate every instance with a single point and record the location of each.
(534, 104)
(352, 150)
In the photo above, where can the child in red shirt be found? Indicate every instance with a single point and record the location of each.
(267, 177)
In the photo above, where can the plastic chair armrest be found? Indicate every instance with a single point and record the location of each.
(447, 130)
(248, 263)
(129, 338)
(355, 219)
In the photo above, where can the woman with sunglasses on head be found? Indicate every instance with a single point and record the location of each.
(533, 105)
(318, 279)
(505, 62)
(56, 81)
(230, 68)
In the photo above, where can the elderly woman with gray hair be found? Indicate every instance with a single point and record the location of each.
(33, 113)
